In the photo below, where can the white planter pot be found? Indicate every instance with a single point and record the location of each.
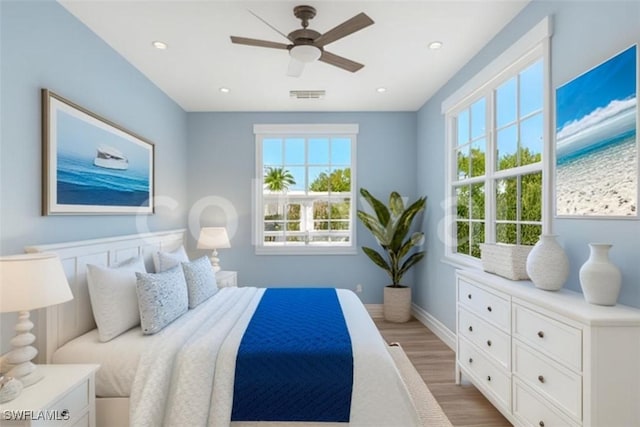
(397, 304)
(548, 264)
(600, 279)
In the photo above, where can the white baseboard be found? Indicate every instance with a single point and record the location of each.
(375, 310)
(437, 327)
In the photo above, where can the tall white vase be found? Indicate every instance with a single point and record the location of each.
(600, 279)
(547, 264)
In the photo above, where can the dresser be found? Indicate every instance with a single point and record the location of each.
(547, 359)
(64, 397)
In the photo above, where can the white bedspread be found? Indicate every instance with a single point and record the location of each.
(177, 382)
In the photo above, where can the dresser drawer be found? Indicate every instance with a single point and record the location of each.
(83, 421)
(485, 336)
(555, 382)
(75, 401)
(533, 410)
(558, 340)
(487, 376)
(489, 306)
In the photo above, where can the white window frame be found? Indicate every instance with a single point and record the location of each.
(533, 46)
(262, 131)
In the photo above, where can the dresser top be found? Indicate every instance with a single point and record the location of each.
(566, 302)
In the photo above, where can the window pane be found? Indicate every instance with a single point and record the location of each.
(320, 215)
(506, 199)
(340, 180)
(506, 233)
(463, 162)
(531, 90)
(272, 152)
(478, 118)
(506, 103)
(507, 143)
(319, 151)
(531, 199)
(294, 151)
(318, 178)
(530, 234)
(341, 151)
(298, 173)
(477, 237)
(462, 202)
(463, 127)
(531, 140)
(477, 201)
(341, 210)
(462, 236)
(478, 150)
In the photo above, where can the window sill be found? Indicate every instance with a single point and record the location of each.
(303, 250)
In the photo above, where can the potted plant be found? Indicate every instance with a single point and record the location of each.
(391, 226)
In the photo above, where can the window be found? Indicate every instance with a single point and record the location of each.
(305, 201)
(496, 138)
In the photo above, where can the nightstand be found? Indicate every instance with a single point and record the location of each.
(64, 397)
(226, 279)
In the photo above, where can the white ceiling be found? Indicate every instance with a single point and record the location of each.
(201, 58)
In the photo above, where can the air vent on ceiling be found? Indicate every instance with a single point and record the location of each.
(307, 94)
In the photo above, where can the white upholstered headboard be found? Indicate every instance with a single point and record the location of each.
(72, 319)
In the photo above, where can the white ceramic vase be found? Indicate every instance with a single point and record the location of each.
(600, 279)
(547, 264)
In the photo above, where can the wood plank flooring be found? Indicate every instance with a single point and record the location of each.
(464, 405)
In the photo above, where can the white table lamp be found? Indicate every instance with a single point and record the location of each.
(29, 282)
(214, 238)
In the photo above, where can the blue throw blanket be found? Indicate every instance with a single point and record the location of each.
(295, 361)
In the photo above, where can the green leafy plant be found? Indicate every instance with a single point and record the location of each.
(391, 226)
(278, 179)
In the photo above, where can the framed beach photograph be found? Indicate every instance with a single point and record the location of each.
(596, 142)
(91, 165)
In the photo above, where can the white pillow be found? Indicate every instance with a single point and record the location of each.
(163, 261)
(201, 280)
(162, 298)
(112, 291)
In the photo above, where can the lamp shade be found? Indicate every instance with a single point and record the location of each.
(213, 238)
(32, 281)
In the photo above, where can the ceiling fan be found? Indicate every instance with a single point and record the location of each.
(307, 45)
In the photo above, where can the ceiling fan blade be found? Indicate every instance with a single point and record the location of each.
(295, 68)
(260, 43)
(341, 62)
(269, 25)
(349, 26)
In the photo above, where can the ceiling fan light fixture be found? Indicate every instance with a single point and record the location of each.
(305, 53)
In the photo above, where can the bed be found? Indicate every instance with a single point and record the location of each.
(184, 374)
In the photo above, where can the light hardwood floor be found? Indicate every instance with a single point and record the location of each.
(464, 405)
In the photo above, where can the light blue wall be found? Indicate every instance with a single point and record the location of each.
(43, 46)
(585, 34)
(222, 167)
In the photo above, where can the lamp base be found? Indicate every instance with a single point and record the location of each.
(22, 353)
(215, 261)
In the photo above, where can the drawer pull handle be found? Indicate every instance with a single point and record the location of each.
(489, 308)
(470, 328)
(469, 296)
(541, 378)
(470, 360)
(541, 335)
(488, 377)
(541, 423)
(489, 343)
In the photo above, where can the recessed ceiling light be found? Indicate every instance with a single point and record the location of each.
(225, 90)
(159, 45)
(435, 45)
(381, 90)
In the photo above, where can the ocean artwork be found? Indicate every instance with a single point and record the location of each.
(94, 166)
(596, 141)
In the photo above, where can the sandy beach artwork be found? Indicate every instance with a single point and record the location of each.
(596, 141)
